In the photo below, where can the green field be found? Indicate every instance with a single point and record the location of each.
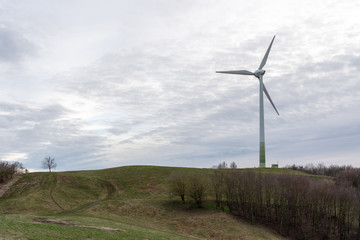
(118, 203)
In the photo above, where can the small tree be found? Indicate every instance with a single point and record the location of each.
(7, 171)
(217, 181)
(48, 163)
(233, 165)
(178, 184)
(19, 167)
(197, 186)
(222, 165)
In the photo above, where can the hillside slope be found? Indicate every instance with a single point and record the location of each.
(133, 199)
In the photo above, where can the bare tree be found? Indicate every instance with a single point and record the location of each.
(197, 185)
(178, 184)
(7, 171)
(19, 167)
(222, 165)
(233, 165)
(217, 181)
(48, 163)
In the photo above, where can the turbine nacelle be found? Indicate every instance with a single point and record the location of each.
(259, 73)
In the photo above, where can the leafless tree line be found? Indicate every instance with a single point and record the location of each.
(194, 185)
(296, 206)
(320, 169)
(223, 165)
(8, 170)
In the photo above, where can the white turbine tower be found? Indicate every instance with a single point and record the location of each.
(259, 74)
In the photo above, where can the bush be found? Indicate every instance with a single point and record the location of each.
(197, 185)
(7, 170)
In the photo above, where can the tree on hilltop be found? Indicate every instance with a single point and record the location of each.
(222, 165)
(233, 165)
(48, 163)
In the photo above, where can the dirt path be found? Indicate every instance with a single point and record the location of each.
(62, 222)
(51, 191)
(110, 190)
(6, 186)
(108, 187)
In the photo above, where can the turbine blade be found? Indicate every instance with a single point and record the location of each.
(266, 55)
(268, 96)
(241, 72)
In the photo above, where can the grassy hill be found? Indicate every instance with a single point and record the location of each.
(118, 203)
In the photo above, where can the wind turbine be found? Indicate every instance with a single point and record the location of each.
(259, 74)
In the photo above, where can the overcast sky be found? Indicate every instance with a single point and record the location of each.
(99, 84)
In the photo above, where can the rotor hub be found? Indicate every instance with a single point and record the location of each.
(259, 72)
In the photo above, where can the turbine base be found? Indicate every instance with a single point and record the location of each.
(262, 155)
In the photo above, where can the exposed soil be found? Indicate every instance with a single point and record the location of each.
(6, 186)
(67, 223)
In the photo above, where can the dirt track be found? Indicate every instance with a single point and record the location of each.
(62, 222)
(6, 186)
(108, 187)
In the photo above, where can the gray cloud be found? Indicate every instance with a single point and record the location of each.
(42, 131)
(14, 46)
